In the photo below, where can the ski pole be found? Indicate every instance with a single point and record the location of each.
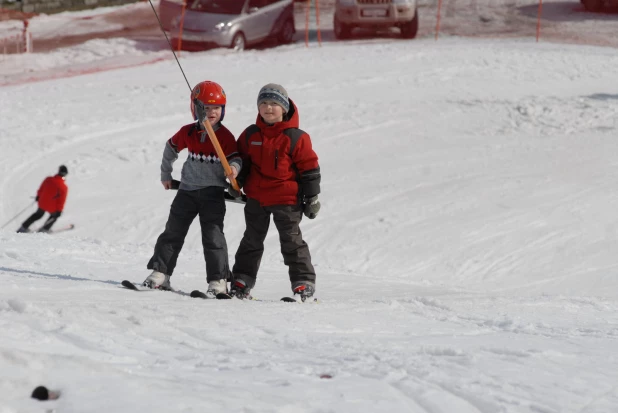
(18, 214)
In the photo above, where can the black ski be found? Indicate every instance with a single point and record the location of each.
(199, 294)
(129, 285)
(67, 227)
(293, 300)
(220, 296)
(133, 287)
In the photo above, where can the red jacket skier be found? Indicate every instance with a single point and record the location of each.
(51, 197)
(281, 177)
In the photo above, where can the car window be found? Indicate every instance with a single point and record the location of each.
(217, 6)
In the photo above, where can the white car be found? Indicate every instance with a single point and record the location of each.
(375, 14)
(228, 23)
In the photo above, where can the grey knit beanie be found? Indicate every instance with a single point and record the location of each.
(275, 93)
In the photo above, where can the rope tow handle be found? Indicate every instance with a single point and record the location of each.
(220, 153)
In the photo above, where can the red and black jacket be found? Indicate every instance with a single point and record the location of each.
(279, 164)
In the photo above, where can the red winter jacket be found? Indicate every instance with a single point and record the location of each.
(52, 194)
(271, 174)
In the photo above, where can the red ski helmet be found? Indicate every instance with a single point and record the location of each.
(210, 94)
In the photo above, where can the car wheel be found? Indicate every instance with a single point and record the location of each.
(410, 29)
(593, 5)
(342, 30)
(238, 42)
(286, 35)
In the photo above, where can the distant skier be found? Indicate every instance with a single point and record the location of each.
(201, 192)
(51, 197)
(281, 177)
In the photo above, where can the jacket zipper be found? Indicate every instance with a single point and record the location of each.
(276, 157)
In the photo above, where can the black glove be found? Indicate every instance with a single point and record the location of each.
(37, 198)
(311, 207)
(200, 110)
(234, 193)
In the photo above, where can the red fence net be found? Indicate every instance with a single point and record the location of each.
(565, 21)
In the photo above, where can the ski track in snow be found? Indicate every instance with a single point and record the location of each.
(465, 248)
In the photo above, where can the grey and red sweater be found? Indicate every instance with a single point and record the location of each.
(203, 167)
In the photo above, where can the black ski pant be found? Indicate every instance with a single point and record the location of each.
(294, 249)
(38, 214)
(209, 204)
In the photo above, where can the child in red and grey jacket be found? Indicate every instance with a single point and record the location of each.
(51, 196)
(281, 177)
(201, 192)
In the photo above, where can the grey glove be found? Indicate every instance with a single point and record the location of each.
(200, 110)
(311, 207)
(233, 192)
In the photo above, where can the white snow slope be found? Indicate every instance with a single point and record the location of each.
(466, 248)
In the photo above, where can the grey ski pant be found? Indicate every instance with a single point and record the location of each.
(209, 204)
(294, 249)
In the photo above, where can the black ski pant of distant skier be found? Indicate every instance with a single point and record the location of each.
(53, 217)
(209, 204)
(294, 249)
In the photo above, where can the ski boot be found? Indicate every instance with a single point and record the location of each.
(216, 287)
(158, 280)
(304, 291)
(240, 290)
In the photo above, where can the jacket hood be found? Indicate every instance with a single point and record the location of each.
(290, 120)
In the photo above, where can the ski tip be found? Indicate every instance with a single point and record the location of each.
(294, 300)
(128, 284)
(198, 294)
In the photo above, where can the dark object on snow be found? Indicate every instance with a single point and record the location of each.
(40, 393)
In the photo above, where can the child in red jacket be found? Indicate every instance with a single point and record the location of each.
(281, 177)
(51, 197)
